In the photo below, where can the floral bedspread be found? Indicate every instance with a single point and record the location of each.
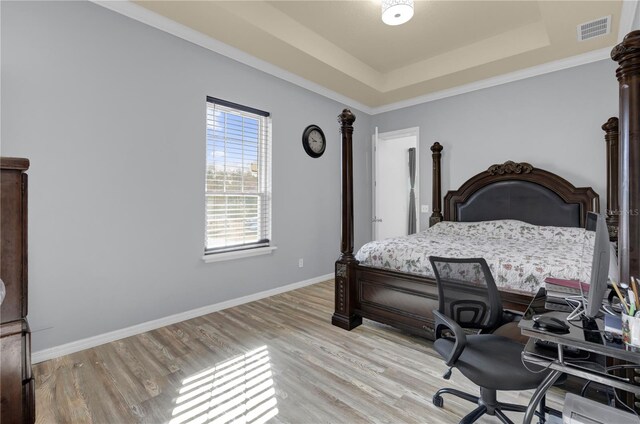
(520, 255)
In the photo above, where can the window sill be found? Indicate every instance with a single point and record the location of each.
(228, 256)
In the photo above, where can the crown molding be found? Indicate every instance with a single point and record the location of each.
(627, 15)
(153, 19)
(545, 68)
(148, 17)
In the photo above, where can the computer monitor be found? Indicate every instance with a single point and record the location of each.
(599, 265)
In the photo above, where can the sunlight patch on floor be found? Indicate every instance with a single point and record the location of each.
(239, 390)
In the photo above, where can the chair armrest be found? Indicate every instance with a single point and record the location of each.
(461, 338)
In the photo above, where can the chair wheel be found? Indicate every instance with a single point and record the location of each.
(438, 401)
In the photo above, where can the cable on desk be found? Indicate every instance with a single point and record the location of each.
(633, 410)
(532, 371)
(568, 358)
(584, 388)
(615, 393)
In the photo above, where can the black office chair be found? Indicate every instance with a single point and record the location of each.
(469, 299)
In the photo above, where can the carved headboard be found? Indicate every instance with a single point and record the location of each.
(519, 191)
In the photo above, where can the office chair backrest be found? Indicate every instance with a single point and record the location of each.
(467, 292)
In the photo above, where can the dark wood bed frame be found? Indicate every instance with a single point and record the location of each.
(406, 301)
(627, 54)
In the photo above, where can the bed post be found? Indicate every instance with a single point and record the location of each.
(613, 207)
(436, 185)
(345, 277)
(627, 54)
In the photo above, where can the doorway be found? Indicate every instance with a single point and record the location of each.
(392, 183)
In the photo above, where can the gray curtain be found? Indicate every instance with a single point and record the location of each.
(412, 195)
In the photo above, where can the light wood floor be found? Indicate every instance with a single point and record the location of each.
(277, 359)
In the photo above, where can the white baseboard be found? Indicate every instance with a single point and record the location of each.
(89, 342)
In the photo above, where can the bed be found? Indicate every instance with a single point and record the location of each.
(520, 255)
(519, 194)
(406, 300)
(625, 168)
(508, 190)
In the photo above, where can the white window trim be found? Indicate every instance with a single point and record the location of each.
(211, 255)
(238, 254)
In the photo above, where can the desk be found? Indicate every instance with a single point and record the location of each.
(559, 363)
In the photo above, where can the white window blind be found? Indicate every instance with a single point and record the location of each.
(238, 180)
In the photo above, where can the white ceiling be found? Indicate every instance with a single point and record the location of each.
(343, 50)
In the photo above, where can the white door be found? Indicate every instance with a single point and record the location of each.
(391, 184)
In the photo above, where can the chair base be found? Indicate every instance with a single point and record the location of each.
(487, 404)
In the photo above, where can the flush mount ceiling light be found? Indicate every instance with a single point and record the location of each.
(396, 12)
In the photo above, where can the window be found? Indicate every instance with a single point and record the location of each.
(238, 179)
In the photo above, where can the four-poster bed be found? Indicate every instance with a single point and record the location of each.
(627, 54)
(625, 207)
(504, 191)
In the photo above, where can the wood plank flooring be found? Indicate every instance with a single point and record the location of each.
(274, 360)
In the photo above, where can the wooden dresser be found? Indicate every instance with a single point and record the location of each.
(17, 402)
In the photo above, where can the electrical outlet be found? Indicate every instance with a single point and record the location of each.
(424, 208)
(300, 263)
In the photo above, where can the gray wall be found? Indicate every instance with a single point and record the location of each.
(111, 114)
(552, 121)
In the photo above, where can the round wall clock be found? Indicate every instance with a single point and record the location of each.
(313, 141)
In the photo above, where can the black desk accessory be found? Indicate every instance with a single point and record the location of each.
(588, 336)
(552, 347)
(551, 324)
(592, 332)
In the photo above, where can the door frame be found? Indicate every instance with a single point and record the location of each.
(407, 132)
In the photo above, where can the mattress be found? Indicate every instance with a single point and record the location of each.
(520, 255)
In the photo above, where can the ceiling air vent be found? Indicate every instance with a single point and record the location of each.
(596, 28)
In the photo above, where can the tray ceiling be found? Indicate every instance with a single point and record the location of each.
(344, 47)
